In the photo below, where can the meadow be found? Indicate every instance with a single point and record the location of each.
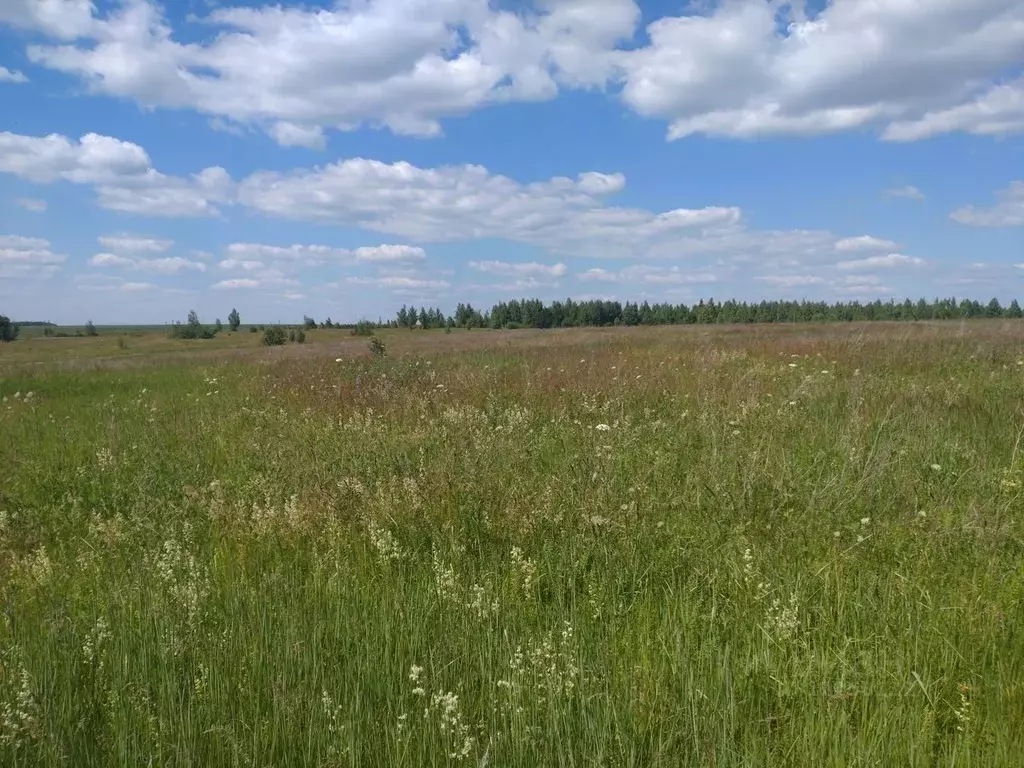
(676, 546)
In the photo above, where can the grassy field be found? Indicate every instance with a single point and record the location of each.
(760, 546)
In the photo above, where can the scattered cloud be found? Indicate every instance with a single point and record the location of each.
(396, 281)
(847, 285)
(651, 275)
(999, 109)
(394, 63)
(909, 192)
(449, 203)
(247, 265)
(27, 257)
(238, 282)
(1008, 212)
(523, 269)
(732, 68)
(389, 253)
(169, 265)
(132, 244)
(31, 204)
(791, 281)
(467, 202)
(864, 243)
(888, 261)
(108, 283)
(291, 135)
(11, 76)
(745, 69)
(120, 172)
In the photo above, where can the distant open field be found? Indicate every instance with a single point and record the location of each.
(678, 546)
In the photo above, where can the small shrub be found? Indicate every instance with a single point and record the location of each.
(90, 329)
(363, 328)
(274, 336)
(121, 343)
(376, 347)
(300, 337)
(252, 329)
(8, 330)
(291, 335)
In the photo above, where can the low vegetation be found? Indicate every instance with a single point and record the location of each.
(773, 546)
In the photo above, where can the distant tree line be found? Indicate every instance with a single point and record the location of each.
(534, 313)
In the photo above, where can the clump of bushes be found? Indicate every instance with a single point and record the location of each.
(192, 329)
(376, 347)
(274, 336)
(8, 330)
(363, 328)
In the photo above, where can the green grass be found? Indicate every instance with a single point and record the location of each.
(790, 547)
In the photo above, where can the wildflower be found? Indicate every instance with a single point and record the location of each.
(602, 428)
(748, 565)
(963, 712)
(525, 568)
(865, 521)
(783, 620)
(835, 534)
(936, 467)
(385, 543)
(792, 365)
(337, 359)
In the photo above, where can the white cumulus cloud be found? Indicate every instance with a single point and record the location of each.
(1008, 212)
(864, 243)
(887, 261)
(521, 269)
(12, 76)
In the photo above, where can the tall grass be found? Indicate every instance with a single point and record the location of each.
(769, 548)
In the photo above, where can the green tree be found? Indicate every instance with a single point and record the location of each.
(218, 326)
(90, 329)
(234, 321)
(8, 330)
(274, 336)
(308, 322)
(1014, 310)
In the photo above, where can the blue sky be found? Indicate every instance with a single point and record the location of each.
(345, 158)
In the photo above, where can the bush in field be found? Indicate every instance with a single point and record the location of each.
(376, 347)
(8, 330)
(274, 336)
(363, 328)
(252, 329)
(300, 337)
(90, 329)
(192, 329)
(234, 320)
